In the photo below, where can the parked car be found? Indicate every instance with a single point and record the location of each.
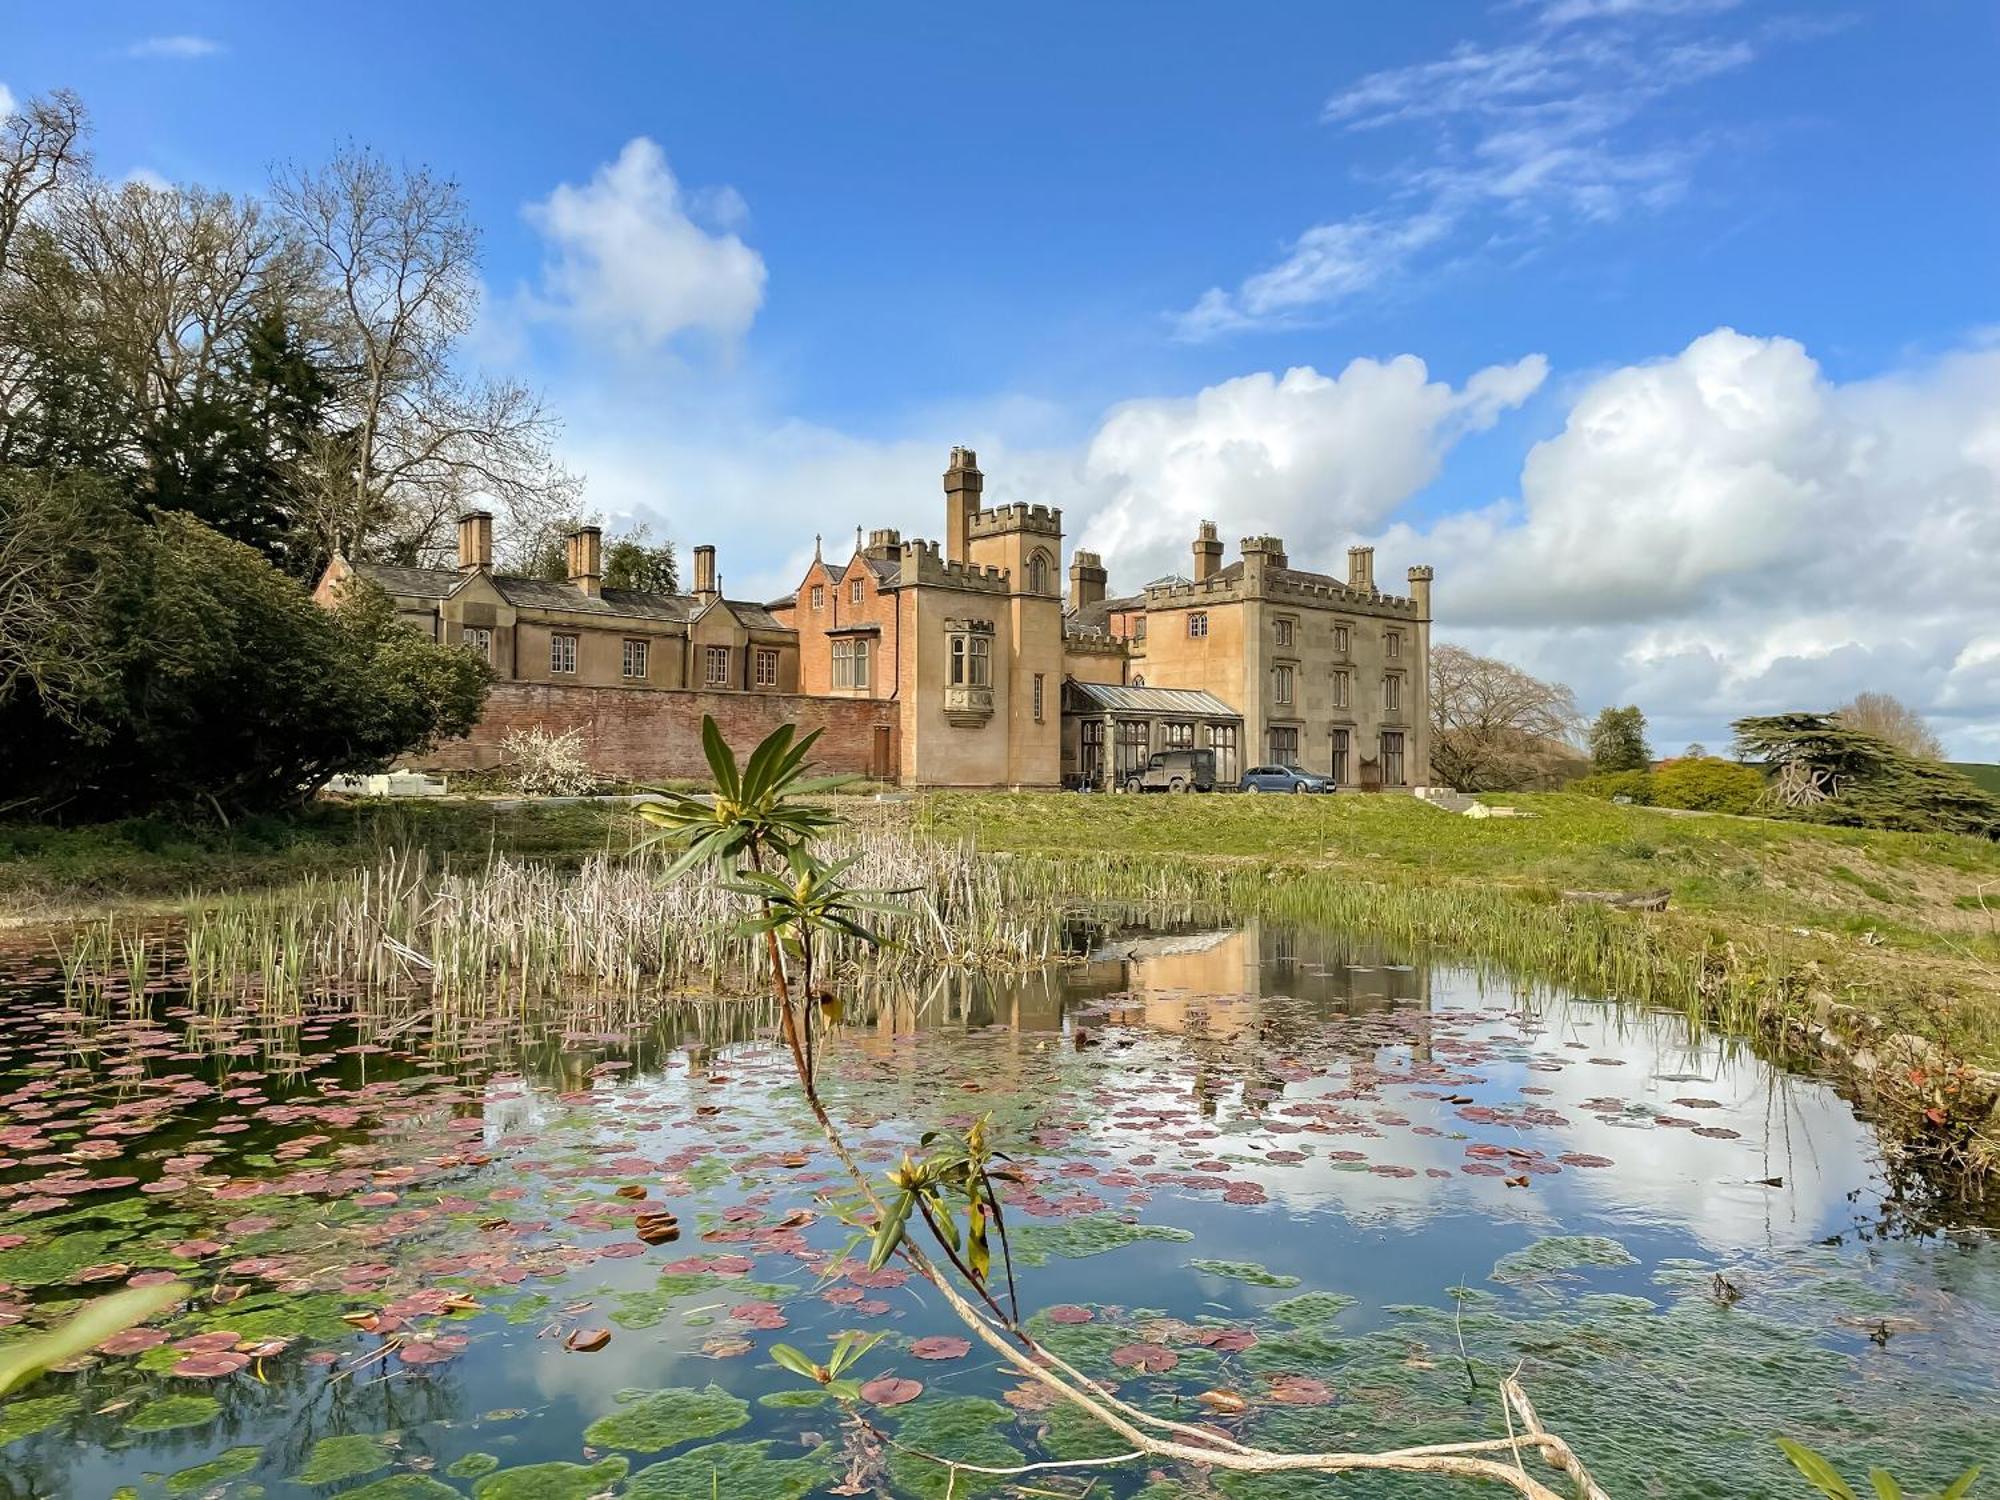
(1284, 779)
(1175, 771)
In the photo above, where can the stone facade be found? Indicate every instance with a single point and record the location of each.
(944, 663)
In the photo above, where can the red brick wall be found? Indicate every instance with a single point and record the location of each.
(651, 734)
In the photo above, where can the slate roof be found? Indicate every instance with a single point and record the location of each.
(1095, 618)
(537, 593)
(1172, 702)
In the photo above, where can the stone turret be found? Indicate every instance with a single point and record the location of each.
(1207, 552)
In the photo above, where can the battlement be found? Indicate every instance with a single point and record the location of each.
(1286, 586)
(1085, 560)
(1046, 520)
(925, 563)
(885, 539)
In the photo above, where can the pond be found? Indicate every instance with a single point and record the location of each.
(1352, 1192)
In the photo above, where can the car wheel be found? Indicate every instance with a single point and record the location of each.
(1134, 785)
(1252, 789)
(1177, 785)
(1298, 786)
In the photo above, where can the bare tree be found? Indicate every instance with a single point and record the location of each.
(42, 152)
(47, 650)
(1887, 717)
(418, 440)
(1494, 727)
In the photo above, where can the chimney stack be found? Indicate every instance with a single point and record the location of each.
(586, 560)
(475, 541)
(1086, 580)
(963, 486)
(1361, 569)
(704, 574)
(1207, 552)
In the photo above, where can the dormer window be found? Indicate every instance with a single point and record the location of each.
(855, 592)
(819, 596)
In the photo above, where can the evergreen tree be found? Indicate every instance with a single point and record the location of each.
(1618, 741)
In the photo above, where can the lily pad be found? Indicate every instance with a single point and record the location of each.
(348, 1456)
(551, 1481)
(1093, 1234)
(472, 1466)
(733, 1471)
(663, 1419)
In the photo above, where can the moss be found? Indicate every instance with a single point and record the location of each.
(655, 1420)
(1561, 1252)
(1311, 1307)
(164, 1413)
(348, 1456)
(226, 1465)
(50, 1262)
(403, 1487)
(961, 1427)
(1244, 1270)
(472, 1466)
(734, 1471)
(1092, 1234)
(25, 1418)
(551, 1481)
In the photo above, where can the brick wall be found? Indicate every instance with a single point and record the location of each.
(649, 734)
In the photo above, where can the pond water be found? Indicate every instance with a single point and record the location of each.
(1350, 1191)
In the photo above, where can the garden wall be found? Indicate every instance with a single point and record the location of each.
(651, 734)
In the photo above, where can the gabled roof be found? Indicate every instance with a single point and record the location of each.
(535, 593)
(1095, 619)
(1116, 698)
(420, 583)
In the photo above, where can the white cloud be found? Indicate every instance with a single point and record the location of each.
(181, 48)
(1727, 531)
(631, 259)
(6, 101)
(1310, 457)
(1520, 138)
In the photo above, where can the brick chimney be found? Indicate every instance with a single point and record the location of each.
(586, 560)
(475, 541)
(1086, 579)
(704, 574)
(963, 489)
(1361, 569)
(1207, 552)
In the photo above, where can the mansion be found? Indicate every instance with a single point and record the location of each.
(962, 662)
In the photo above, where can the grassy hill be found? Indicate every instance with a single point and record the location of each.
(1986, 775)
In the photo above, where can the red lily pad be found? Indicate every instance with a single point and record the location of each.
(889, 1390)
(1148, 1359)
(211, 1364)
(941, 1346)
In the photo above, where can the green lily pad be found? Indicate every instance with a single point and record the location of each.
(225, 1465)
(794, 1400)
(472, 1466)
(1244, 1270)
(733, 1471)
(53, 1261)
(348, 1456)
(551, 1481)
(656, 1420)
(164, 1413)
(19, 1419)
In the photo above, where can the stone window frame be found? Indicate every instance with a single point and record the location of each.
(1197, 624)
(1040, 567)
(1223, 740)
(767, 666)
(477, 639)
(1343, 688)
(1392, 692)
(1278, 757)
(635, 653)
(1177, 734)
(1283, 628)
(969, 657)
(1038, 697)
(1284, 682)
(1340, 752)
(1343, 636)
(857, 592)
(818, 596)
(1392, 644)
(715, 666)
(562, 653)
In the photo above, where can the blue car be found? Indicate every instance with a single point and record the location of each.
(1284, 779)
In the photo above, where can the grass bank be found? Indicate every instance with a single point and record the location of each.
(1879, 951)
(48, 872)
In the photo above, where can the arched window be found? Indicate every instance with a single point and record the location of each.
(1038, 573)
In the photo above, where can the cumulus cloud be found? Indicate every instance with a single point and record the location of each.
(1311, 457)
(638, 261)
(6, 101)
(182, 48)
(1729, 531)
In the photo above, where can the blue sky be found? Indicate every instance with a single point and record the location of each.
(1703, 292)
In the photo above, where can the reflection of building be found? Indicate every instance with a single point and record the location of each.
(950, 663)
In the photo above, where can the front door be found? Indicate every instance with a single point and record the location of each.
(881, 769)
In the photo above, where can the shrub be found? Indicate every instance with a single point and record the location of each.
(1708, 784)
(1637, 786)
(541, 764)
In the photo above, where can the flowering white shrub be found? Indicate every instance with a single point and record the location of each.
(548, 765)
